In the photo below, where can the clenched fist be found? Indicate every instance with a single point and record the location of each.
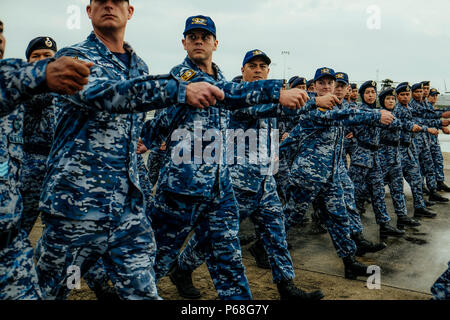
(293, 98)
(327, 101)
(386, 117)
(67, 75)
(202, 95)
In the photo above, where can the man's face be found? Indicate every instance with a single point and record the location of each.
(254, 70)
(324, 86)
(426, 91)
(2, 45)
(404, 97)
(200, 45)
(389, 102)
(41, 54)
(109, 14)
(370, 96)
(341, 90)
(417, 95)
(354, 94)
(1, 27)
(311, 88)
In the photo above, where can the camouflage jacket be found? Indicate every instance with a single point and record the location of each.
(253, 161)
(92, 166)
(368, 137)
(314, 147)
(19, 81)
(390, 138)
(197, 156)
(39, 124)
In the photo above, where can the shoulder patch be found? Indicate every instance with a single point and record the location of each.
(188, 75)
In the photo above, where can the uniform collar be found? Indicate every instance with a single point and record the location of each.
(194, 66)
(103, 49)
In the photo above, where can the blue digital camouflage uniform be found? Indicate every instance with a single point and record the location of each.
(441, 288)
(365, 167)
(196, 194)
(422, 143)
(435, 148)
(18, 82)
(313, 151)
(254, 187)
(92, 203)
(390, 161)
(38, 134)
(349, 144)
(408, 158)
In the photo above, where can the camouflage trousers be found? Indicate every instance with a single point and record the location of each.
(411, 173)
(423, 155)
(124, 244)
(265, 211)
(329, 199)
(18, 279)
(146, 185)
(438, 158)
(356, 226)
(370, 180)
(215, 221)
(32, 176)
(441, 288)
(393, 177)
(154, 163)
(349, 147)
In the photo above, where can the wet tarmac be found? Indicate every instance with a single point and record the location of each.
(412, 262)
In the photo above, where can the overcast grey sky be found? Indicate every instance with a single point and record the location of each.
(412, 42)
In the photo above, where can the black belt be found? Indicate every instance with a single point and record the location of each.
(40, 149)
(390, 143)
(369, 146)
(7, 237)
(405, 144)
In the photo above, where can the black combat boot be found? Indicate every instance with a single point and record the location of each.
(429, 203)
(354, 268)
(434, 196)
(288, 291)
(365, 246)
(107, 293)
(183, 281)
(386, 230)
(424, 213)
(259, 253)
(441, 186)
(405, 221)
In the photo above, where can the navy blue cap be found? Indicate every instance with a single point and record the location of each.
(367, 84)
(426, 83)
(200, 22)
(434, 92)
(292, 79)
(384, 94)
(309, 83)
(417, 86)
(40, 43)
(324, 72)
(252, 54)
(354, 86)
(342, 77)
(298, 82)
(237, 79)
(403, 87)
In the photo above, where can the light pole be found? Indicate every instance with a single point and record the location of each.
(285, 53)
